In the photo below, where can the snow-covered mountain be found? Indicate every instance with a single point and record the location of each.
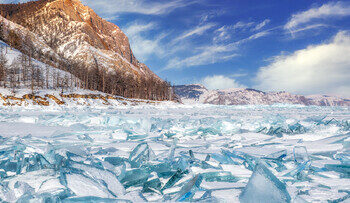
(241, 96)
(68, 35)
(75, 32)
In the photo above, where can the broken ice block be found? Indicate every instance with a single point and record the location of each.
(135, 177)
(153, 185)
(207, 158)
(222, 176)
(23, 188)
(108, 179)
(141, 154)
(263, 186)
(176, 177)
(276, 131)
(84, 186)
(245, 159)
(207, 197)
(115, 161)
(343, 169)
(189, 189)
(297, 129)
(44, 197)
(163, 170)
(182, 163)
(222, 159)
(343, 157)
(300, 154)
(300, 172)
(279, 155)
(191, 154)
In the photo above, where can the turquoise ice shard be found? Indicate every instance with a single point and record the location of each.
(22, 188)
(135, 177)
(300, 154)
(263, 186)
(343, 157)
(343, 169)
(297, 129)
(141, 154)
(221, 176)
(115, 161)
(176, 177)
(278, 156)
(44, 197)
(276, 131)
(189, 189)
(207, 158)
(153, 185)
(105, 177)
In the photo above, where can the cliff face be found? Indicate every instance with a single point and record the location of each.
(77, 33)
(70, 36)
(241, 96)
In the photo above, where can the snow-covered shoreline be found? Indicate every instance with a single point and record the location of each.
(25, 98)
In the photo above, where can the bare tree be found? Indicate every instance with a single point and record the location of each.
(24, 63)
(3, 66)
(32, 75)
(47, 75)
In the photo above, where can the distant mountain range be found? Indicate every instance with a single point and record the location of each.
(197, 93)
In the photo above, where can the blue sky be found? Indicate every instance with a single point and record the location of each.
(274, 45)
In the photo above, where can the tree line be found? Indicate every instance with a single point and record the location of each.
(24, 73)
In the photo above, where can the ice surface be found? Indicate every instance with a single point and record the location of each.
(173, 153)
(263, 186)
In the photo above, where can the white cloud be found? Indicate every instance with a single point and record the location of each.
(319, 69)
(262, 24)
(195, 31)
(242, 25)
(111, 7)
(142, 46)
(308, 27)
(212, 54)
(136, 28)
(223, 33)
(258, 35)
(331, 9)
(220, 82)
(238, 75)
(208, 15)
(208, 55)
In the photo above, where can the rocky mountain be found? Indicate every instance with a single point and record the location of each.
(240, 96)
(71, 36)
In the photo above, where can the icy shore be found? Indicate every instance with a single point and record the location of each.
(279, 153)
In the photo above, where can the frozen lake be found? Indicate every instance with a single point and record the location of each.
(279, 153)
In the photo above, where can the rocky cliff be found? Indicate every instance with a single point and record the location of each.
(66, 34)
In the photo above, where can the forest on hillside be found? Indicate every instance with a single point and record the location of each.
(24, 73)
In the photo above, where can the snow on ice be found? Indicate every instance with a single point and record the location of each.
(279, 153)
